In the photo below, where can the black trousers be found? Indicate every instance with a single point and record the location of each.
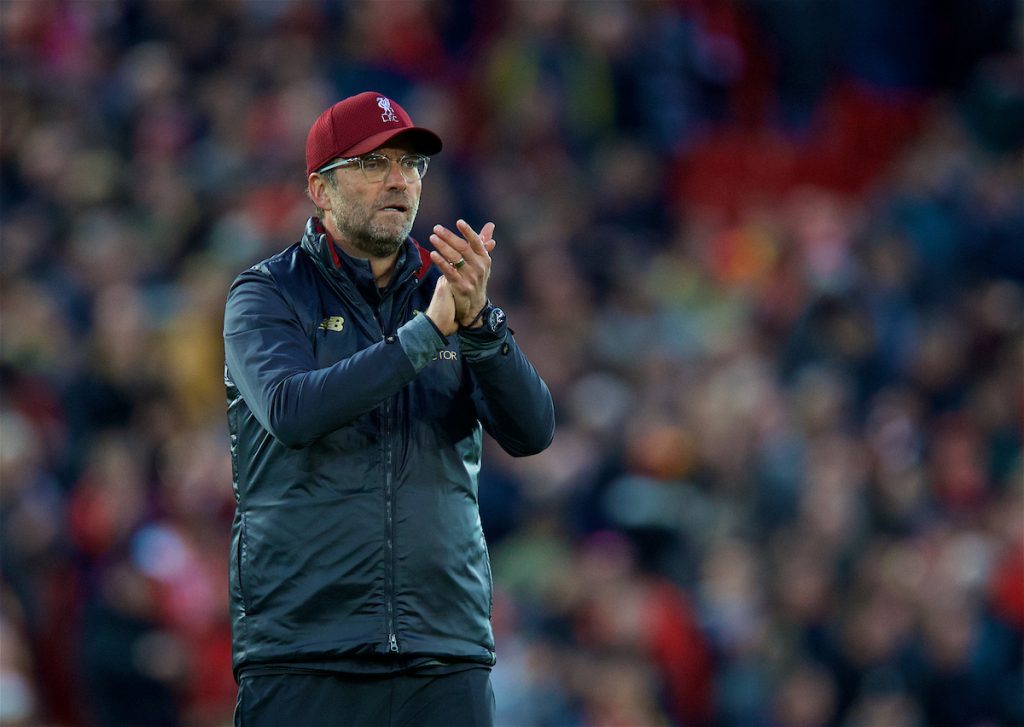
(462, 699)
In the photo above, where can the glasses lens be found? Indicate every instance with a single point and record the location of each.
(414, 166)
(375, 167)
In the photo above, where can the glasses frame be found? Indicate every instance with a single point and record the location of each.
(349, 161)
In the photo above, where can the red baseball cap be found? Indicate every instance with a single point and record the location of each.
(362, 123)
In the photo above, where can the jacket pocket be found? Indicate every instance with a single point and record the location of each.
(241, 552)
(488, 577)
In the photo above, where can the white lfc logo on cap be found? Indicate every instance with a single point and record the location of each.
(389, 113)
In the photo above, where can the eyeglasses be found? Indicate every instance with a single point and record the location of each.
(377, 167)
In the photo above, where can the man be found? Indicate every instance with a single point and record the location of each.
(360, 371)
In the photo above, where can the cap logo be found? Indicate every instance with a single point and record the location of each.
(389, 113)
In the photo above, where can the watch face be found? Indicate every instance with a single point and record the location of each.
(495, 319)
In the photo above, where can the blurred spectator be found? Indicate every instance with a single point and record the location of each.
(777, 289)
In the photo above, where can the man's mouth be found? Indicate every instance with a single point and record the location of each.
(401, 208)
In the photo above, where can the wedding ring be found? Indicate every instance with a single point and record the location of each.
(459, 263)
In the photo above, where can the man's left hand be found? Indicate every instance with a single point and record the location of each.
(465, 261)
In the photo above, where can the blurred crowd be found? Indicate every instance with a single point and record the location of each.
(768, 254)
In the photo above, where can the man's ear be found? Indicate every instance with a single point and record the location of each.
(316, 187)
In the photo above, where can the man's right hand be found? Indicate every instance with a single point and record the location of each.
(441, 310)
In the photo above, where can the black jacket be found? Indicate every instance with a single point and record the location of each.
(355, 442)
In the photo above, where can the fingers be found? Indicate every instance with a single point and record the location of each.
(487, 236)
(447, 246)
(453, 247)
(455, 287)
(472, 237)
(450, 272)
(441, 309)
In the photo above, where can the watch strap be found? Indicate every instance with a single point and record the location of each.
(478, 316)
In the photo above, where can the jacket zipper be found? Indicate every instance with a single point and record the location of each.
(389, 498)
(389, 521)
(389, 565)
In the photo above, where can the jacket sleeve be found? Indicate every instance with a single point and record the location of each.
(512, 401)
(271, 361)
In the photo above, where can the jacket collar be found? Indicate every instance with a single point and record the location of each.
(319, 244)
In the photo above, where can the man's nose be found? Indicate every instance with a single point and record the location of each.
(395, 177)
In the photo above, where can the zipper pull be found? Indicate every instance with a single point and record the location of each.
(394, 643)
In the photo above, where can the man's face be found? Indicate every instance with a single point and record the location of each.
(373, 217)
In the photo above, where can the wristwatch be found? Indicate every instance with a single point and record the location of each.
(494, 321)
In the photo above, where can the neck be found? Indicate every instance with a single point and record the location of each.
(383, 269)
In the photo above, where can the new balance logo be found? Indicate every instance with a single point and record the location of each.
(332, 323)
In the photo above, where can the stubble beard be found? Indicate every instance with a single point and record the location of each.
(379, 238)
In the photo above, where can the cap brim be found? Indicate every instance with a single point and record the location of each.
(423, 141)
